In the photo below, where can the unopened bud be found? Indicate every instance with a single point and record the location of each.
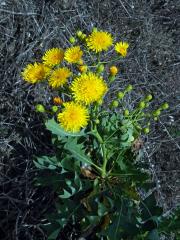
(120, 95)
(146, 130)
(40, 108)
(148, 97)
(54, 109)
(129, 88)
(72, 40)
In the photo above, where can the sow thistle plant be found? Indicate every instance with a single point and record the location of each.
(96, 173)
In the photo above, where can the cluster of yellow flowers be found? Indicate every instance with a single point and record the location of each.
(85, 88)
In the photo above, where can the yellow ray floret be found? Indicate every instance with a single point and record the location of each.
(73, 54)
(99, 41)
(73, 117)
(88, 88)
(35, 72)
(122, 47)
(53, 56)
(59, 77)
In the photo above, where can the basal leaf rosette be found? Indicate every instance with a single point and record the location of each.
(88, 88)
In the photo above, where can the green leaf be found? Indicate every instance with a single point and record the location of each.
(77, 152)
(46, 162)
(54, 235)
(55, 128)
(153, 235)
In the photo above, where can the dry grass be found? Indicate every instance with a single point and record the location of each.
(30, 27)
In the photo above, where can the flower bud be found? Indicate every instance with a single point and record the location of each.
(83, 36)
(129, 88)
(142, 105)
(94, 29)
(114, 103)
(111, 78)
(100, 68)
(113, 70)
(156, 113)
(72, 40)
(54, 109)
(148, 97)
(165, 106)
(100, 102)
(146, 130)
(97, 121)
(57, 101)
(79, 33)
(83, 68)
(126, 112)
(40, 108)
(120, 95)
(155, 118)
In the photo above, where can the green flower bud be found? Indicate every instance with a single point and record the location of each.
(79, 33)
(114, 103)
(120, 95)
(142, 105)
(156, 113)
(72, 40)
(165, 106)
(97, 121)
(40, 108)
(126, 112)
(100, 68)
(148, 124)
(54, 109)
(112, 78)
(155, 118)
(94, 29)
(148, 97)
(129, 88)
(83, 36)
(146, 130)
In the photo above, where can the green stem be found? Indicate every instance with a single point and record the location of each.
(104, 151)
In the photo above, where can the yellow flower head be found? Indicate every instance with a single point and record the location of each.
(99, 41)
(35, 72)
(59, 77)
(122, 47)
(113, 70)
(73, 117)
(88, 88)
(73, 54)
(53, 56)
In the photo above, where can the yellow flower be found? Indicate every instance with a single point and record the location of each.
(59, 77)
(88, 88)
(35, 72)
(53, 56)
(73, 117)
(73, 54)
(57, 100)
(99, 41)
(113, 70)
(83, 68)
(121, 47)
